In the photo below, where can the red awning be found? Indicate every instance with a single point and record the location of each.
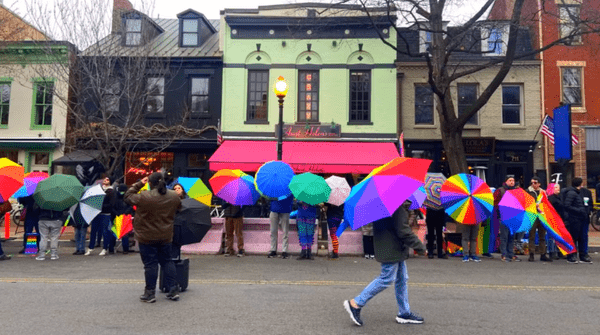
(316, 157)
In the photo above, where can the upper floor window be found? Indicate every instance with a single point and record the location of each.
(494, 41)
(258, 83)
(467, 95)
(133, 31)
(112, 96)
(199, 90)
(189, 37)
(4, 103)
(571, 86)
(512, 106)
(360, 96)
(43, 92)
(308, 96)
(426, 40)
(155, 88)
(569, 23)
(423, 105)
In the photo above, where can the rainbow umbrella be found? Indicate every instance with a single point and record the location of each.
(30, 182)
(433, 186)
(554, 224)
(195, 189)
(11, 178)
(518, 210)
(122, 225)
(310, 188)
(235, 187)
(467, 199)
(273, 179)
(417, 198)
(384, 190)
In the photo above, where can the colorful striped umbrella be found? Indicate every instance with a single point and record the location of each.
(30, 182)
(273, 179)
(310, 188)
(235, 187)
(384, 190)
(518, 210)
(433, 186)
(554, 224)
(340, 190)
(122, 225)
(11, 178)
(417, 198)
(195, 189)
(467, 199)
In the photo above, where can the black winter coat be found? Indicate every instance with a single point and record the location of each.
(558, 205)
(392, 237)
(574, 209)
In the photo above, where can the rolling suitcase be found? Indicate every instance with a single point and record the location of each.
(182, 267)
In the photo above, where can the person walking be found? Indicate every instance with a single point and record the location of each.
(102, 222)
(305, 221)
(31, 221)
(435, 220)
(535, 190)
(576, 217)
(234, 223)
(335, 215)
(153, 226)
(280, 219)
(392, 239)
(50, 224)
(506, 238)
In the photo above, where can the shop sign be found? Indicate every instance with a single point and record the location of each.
(482, 146)
(311, 131)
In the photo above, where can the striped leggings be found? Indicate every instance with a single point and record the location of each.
(334, 224)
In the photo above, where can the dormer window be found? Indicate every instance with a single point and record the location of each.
(494, 40)
(189, 36)
(133, 32)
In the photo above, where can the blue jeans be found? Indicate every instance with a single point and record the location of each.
(1, 251)
(551, 244)
(80, 238)
(584, 231)
(96, 230)
(152, 255)
(109, 239)
(395, 273)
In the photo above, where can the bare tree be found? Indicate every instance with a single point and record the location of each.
(113, 87)
(447, 44)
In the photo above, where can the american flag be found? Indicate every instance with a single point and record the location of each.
(219, 136)
(547, 129)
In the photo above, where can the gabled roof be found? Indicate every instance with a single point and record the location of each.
(29, 32)
(197, 14)
(163, 45)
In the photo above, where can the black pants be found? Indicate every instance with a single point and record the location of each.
(368, 245)
(575, 231)
(152, 255)
(435, 227)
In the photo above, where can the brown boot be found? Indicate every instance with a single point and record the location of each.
(531, 257)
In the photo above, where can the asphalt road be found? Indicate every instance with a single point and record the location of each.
(256, 295)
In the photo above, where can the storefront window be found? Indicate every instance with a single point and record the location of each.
(141, 164)
(12, 155)
(593, 168)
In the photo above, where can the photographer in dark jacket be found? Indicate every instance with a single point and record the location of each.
(577, 216)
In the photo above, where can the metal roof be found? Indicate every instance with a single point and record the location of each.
(163, 45)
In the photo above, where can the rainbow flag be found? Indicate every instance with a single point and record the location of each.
(31, 244)
(554, 225)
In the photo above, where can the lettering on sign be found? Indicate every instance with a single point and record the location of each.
(482, 146)
(313, 131)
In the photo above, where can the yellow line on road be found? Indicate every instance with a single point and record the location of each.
(300, 283)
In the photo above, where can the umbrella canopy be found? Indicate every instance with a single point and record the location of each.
(11, 178)
(58, 192)
(433, 186)
(518, 210)
(122, 225)
(554, 224)
(30, 183)
(90, 204)
(340, 190)
(196, 189)
(384, 190)
(310, 188)
(417, 198)
(467, 199)
(192, 222)
(273, 179)
(235, 187)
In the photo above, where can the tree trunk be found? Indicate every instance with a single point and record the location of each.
(455, 151)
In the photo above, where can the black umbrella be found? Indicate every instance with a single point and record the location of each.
(191, 223)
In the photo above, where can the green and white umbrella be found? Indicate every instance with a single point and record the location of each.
(90, 204)
(310, 188)
(58, 192)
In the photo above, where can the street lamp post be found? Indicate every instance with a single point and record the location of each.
(280, 88)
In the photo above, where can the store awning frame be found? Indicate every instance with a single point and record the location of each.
(305, 156)
(77, 157)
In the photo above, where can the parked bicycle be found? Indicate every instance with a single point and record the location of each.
(595, 220)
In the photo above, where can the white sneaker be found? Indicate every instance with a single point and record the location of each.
(40, 258)
(102, 253)
(54, 257)
(88, 252)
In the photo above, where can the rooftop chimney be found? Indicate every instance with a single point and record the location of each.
(119, 7)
